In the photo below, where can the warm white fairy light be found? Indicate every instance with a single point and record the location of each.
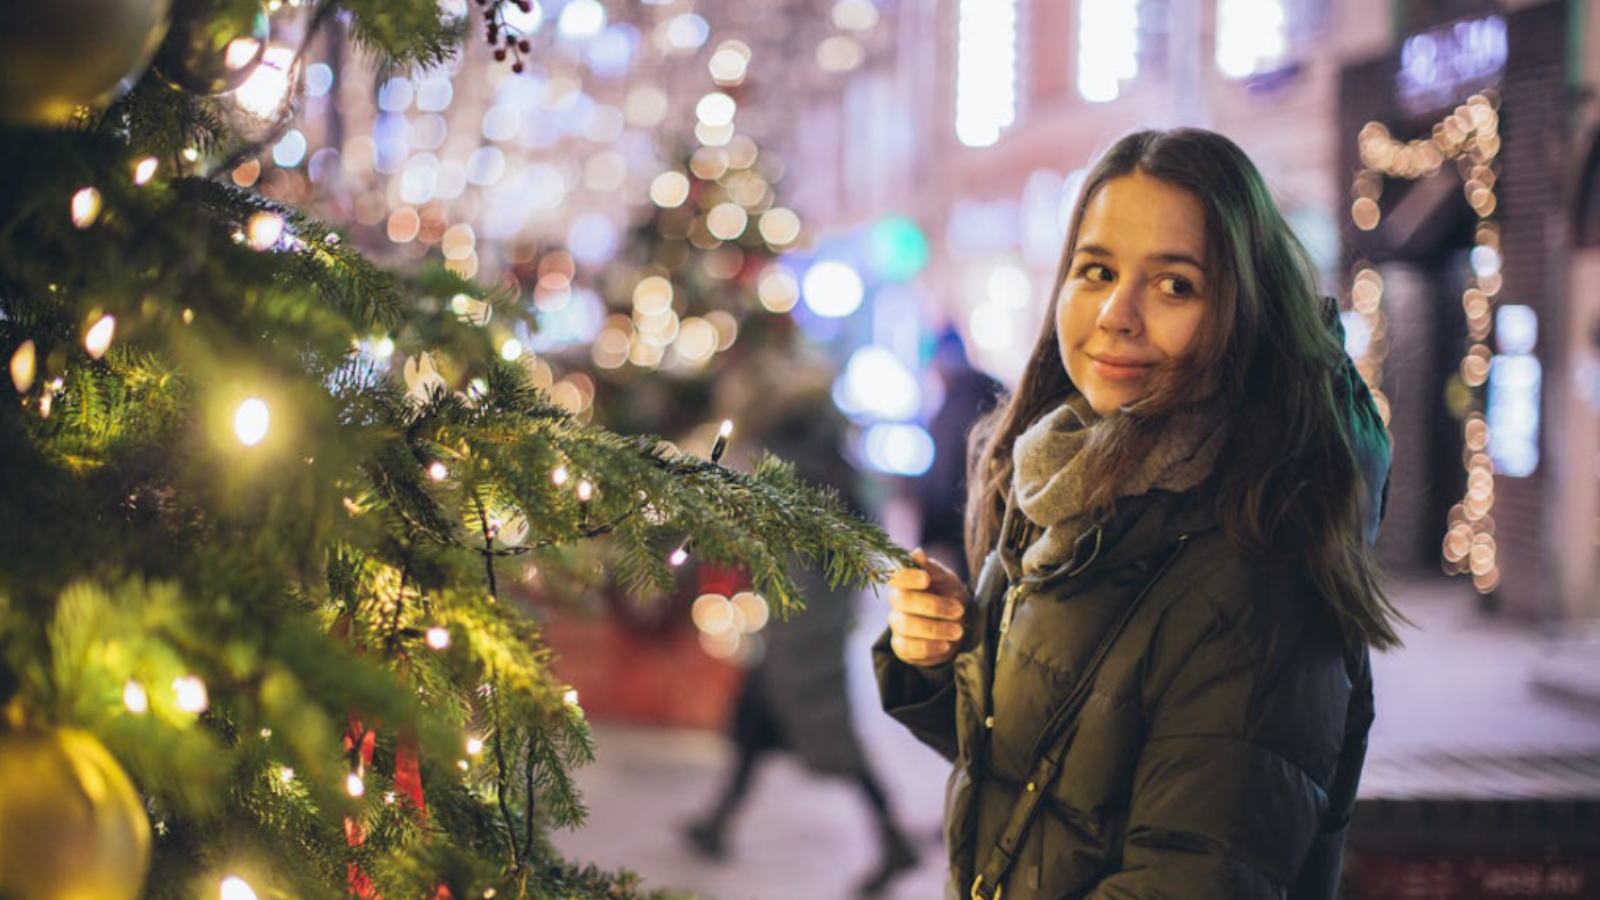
(474, 746)
(251, 420)
(24, 363)
(285, 774)
(135, 698)
(144, 170)
(355, 785)
(570, 698)
(679, 556)
(559, 476)
(98, 338)
(265, 229)
(439, 637)
(1469, 137)
(191, 694)
(585, 490)
(85, 207)
(511, 350)
(437, 471)
(236, 888)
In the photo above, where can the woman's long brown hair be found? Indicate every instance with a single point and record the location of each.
(1288, 483)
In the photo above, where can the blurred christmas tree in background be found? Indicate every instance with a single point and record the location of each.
(260, 498)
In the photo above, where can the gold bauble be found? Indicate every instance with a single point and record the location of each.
(214, 45)
(71, 824)
(58, 57)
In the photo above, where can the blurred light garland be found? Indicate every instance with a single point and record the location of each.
(1470, 136)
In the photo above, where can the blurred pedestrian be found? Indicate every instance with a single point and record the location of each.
(795, 699)
(941, 492)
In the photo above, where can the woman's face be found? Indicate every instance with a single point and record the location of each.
(1136, 288)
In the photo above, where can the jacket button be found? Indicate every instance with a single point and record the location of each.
(988, 722)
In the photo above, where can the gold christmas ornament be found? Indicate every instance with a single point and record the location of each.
(71, 824)
(214, 45)
(60, 57)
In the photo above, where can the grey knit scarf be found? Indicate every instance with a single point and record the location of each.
(1048, 468)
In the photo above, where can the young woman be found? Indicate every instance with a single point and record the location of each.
(1158, 686)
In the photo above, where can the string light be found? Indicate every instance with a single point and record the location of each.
(439, 637)
(570, 698)
(437, 471)
(474, 746)
(265, 229)
(250, 421)
(85, 207)
(679, 556)
(191, 694)
(285, 774)
(24, 364)
(144, 170)
(585, 494)
(720, 445)
(559, 476)
(135, 698)
(98, 339)
(1469, 137)
(354, 784)
(236, 888)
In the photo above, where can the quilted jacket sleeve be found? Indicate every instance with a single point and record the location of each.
(921, 699)
(1246, 716)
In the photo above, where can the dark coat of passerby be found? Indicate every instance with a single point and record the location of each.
(1160, 684)
(941, 492)
(796, 698)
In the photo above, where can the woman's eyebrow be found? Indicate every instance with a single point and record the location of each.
(1100, 252)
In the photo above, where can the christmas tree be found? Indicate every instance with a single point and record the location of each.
(253, 638)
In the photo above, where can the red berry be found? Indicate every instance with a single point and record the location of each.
(524, 46)
(517, 67)
(499, 54)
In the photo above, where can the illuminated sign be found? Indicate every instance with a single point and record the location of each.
(1441, 66)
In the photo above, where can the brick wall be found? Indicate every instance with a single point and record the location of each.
(1533, 234)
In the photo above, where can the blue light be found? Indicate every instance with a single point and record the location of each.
(592, 239)
(290, 149)
(905, 450)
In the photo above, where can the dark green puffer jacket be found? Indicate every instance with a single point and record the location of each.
(1219, 747)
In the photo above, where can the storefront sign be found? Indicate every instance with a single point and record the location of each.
(1441, 66)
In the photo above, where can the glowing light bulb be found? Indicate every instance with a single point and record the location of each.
(24, 365)
(354, 784)
(511, 350)
(135, 698)
(98, 340)
(191, 692)
(678, 557)
(439, 637)
(250, 421)
(236, 888)
(85, 207)
(585, 490)
(285, 774)
(720, 446)
(570, 698)
(474, 746)
(559, 476)
(265, 230)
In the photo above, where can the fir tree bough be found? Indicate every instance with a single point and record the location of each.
(304, 580)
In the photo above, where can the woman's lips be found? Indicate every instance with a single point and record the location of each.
(1115, 368)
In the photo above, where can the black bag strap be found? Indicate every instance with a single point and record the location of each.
(989, 885)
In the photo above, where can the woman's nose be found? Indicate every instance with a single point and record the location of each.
(1121, 310)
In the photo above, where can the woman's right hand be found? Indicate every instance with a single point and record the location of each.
(928, 608)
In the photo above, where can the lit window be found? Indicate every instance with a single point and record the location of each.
(1252, 37)
(1108, 47)
(986, 70)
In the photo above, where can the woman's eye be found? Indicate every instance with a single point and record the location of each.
(1095, 272)
(1175, 286)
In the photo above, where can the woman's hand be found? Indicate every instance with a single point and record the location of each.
(928, 608)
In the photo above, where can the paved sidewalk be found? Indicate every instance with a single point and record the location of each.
(1465, 688)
